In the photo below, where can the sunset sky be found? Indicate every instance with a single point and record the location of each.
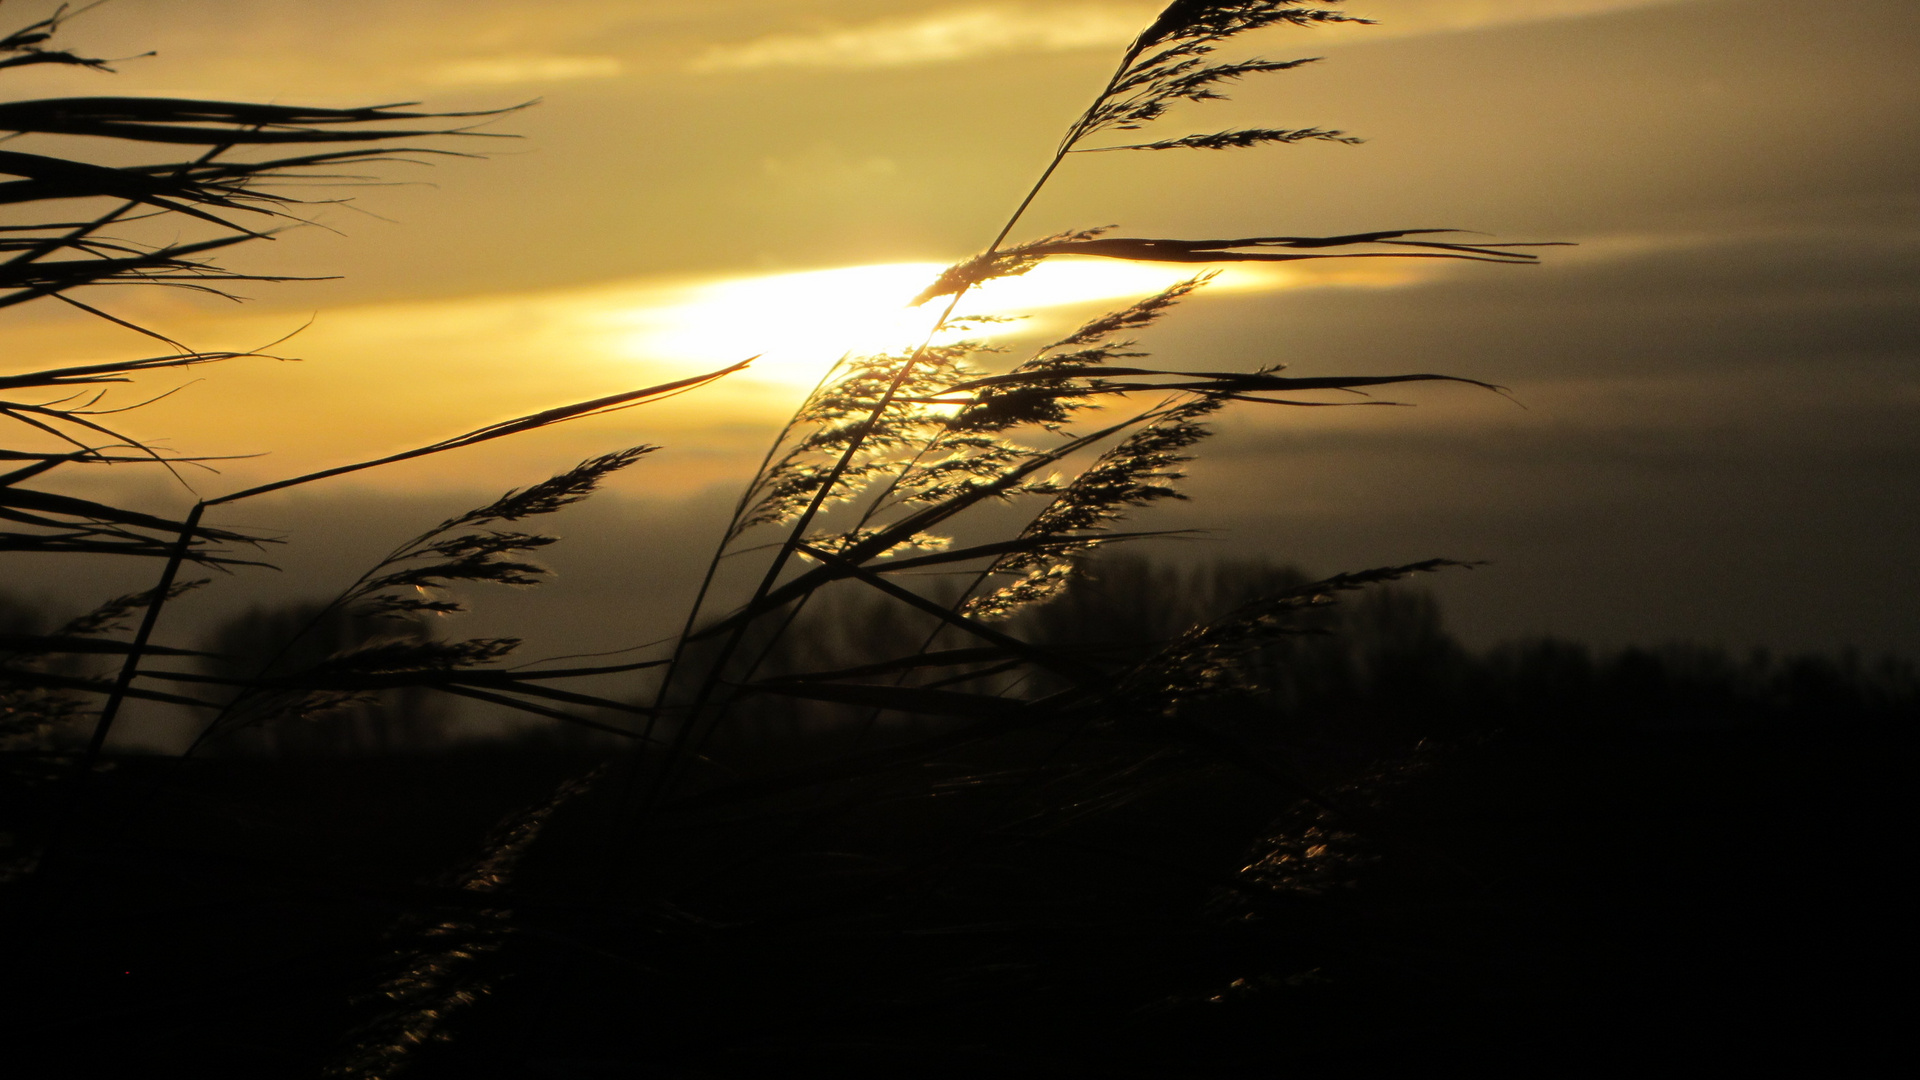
(1714, 428)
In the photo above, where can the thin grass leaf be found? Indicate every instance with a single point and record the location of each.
(116, 371)
(99, 686)
(188, 120)
(87, 509)
(1234, 139)
(22, 645)
(1161, 250)
(531, 422)
(531, 708)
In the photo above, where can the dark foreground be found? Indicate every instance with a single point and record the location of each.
(1719, 897)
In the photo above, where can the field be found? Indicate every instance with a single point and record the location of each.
(1543, 885)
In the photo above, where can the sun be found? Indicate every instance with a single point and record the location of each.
(799, 323)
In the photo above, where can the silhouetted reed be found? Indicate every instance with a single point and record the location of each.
(1029, 735)
(925, 436)
(922, 436)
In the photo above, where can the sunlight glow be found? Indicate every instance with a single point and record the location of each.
(458, 362)
(800, 323)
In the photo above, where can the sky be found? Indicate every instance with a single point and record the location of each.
(1711, 427)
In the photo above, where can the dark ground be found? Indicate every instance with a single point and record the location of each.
(1724, 897)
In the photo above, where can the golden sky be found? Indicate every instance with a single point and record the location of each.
(1719, 378)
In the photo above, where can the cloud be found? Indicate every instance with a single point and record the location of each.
(941, 37)
(967, 32)
(506, 70)
(1405, 18)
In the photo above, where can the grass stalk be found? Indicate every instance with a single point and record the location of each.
(130, 665)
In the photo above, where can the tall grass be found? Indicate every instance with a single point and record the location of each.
(914, 440)
(917, 439)
(857, 496)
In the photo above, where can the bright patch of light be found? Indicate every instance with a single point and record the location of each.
(798, 324)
